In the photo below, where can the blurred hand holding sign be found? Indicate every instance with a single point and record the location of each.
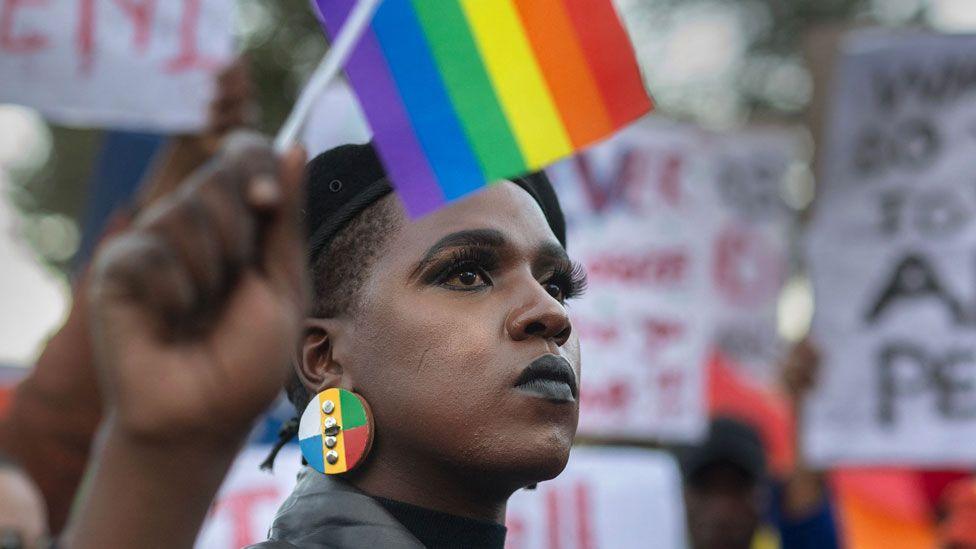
(127, 64)
(606, 497)
(893, 256)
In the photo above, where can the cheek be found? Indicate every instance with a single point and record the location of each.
(443, 366)
(428, 359)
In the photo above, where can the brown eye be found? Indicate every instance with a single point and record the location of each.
(555, 290)
(466, 279)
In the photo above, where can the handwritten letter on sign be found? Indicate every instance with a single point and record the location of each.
(638, 214)
(625, 498)
(750, 251)
(128, 64)
(893, 256)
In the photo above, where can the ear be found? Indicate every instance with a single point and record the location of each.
(317, 366)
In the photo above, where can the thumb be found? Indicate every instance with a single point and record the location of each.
(283, 255)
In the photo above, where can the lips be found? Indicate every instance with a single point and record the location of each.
(549, 377)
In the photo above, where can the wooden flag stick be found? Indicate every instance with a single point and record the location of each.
(333, 61)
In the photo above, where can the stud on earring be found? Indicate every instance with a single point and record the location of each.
(336, 431)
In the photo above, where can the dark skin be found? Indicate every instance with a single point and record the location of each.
(804, 490)
(191, 309)
(724, 507)
(53, 443)
(454, 309)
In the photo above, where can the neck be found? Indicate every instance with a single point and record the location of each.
(432, 487)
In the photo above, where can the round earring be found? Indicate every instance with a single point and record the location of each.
(336, 431)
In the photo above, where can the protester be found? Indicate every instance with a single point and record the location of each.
(56, 409)
(453, 328)
(732, 501)
(23, 520)
(724, 486)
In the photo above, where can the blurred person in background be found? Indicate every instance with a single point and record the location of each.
(732, 501)
(23, 518)
(957, 516)
(55, 411)
(725, 490)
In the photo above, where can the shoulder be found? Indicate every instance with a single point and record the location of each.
(327, 512)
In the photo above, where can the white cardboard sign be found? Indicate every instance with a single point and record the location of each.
(751, 247)
(640, 216)
(127, 64)
(893, 256)
(245, 507)
(606, 497)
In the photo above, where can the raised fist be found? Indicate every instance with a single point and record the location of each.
(196, 308)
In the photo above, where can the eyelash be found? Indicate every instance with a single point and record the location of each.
(477, 260)
(570, 277)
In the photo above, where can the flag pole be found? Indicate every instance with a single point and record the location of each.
(333, 61)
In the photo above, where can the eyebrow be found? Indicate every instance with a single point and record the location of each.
(553, 252)
(547, 252)
(483, 238)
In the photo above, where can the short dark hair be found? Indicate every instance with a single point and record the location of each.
(339, 272)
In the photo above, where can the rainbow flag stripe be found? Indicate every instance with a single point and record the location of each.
(462, 93)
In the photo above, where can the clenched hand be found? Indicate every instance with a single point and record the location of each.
(197, 307)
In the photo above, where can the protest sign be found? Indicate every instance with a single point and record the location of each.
(606, 497)
(245, 507)
(891, 252)
(751, 248)
(640, 217)
(125, 64)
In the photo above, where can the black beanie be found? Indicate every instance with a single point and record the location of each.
(344, 181)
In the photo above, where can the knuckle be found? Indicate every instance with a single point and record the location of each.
(248, 148)
(123, 260)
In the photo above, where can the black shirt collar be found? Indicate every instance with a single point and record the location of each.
(437, 530)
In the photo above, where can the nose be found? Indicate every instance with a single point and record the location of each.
(539, 315)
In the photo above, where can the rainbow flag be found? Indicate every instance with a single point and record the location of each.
(463, 93)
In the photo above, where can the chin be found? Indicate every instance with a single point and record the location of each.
(535, 457)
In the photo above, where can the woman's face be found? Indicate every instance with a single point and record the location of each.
(455, 309)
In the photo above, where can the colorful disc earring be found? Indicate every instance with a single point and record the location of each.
(336, 431)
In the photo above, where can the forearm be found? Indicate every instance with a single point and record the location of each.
(141, 491)
(804, 491)
(54, 413)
